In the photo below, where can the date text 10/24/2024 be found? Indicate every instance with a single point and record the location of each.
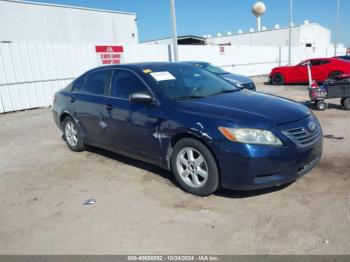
(173, 258)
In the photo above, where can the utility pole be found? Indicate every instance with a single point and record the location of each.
(174, 32)
(337, 28)
(290, 32)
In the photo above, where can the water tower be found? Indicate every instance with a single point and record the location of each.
(258, 10)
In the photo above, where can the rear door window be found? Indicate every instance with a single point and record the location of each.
(78, 84)
(97, 82)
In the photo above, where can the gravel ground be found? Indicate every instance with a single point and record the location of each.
(138, 209)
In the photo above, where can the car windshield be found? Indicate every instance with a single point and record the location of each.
(345, 58)
(213, 69)
(181, 81)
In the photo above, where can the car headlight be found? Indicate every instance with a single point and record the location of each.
(250, 136)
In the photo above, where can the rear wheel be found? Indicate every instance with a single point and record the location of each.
(334, 75)
(72, 135)
(277, 79)
(346, 103)
(194, 167)
(342, 101)
(321, 105)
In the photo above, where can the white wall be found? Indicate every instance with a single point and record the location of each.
(146, 53)
(315, 34)
(30, 73)
(252, 60)
(247, 60)
(307, 33)
(165, 41)
(23, 21)
(278, 37)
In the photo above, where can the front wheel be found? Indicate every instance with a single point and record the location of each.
(194, 167)
(277, 79)
(72, 135)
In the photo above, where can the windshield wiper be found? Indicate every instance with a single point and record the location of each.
(187, 97)
(226, 91)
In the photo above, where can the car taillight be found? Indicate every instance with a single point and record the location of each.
(54, 99)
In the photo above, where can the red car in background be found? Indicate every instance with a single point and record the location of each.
(321, 70)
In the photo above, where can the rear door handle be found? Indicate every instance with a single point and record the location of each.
(72, 99)
(109, 107)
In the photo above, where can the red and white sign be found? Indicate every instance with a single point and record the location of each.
(109, 54)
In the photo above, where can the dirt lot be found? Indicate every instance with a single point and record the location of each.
(140, 210)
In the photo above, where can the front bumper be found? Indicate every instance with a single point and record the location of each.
(271, 167)
(247, 167)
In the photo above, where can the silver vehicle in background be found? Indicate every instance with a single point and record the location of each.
(238, 80)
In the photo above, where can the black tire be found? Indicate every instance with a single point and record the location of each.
(342, 101)
(211, 184)
(321, 105)
(334, 75)
(346, 103)
(79, 145)
(277, 79)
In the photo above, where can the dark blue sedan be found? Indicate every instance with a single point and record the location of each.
(209, 133)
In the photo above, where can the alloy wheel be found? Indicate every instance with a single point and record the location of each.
(192, 167)
(71, 134)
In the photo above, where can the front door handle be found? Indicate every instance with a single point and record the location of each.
(109, 107)
(72, 99)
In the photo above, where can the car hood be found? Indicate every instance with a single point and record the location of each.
(240, 78)
(247, 108)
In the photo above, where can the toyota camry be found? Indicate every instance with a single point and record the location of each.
(209, 133)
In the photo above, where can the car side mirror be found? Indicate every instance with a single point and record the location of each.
(141, 98)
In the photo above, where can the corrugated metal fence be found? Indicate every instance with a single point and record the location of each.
(30, 73)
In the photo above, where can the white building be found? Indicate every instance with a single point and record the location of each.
(306, 35)
(22, 21)
(181, 40)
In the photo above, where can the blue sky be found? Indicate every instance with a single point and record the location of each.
(200, 17)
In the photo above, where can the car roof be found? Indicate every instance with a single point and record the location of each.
(195, 62)
(325, 58)
(313, 59)
(137, 66)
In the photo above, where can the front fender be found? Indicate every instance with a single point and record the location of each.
(193, 126)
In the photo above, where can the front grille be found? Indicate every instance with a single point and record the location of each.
(303, 137)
